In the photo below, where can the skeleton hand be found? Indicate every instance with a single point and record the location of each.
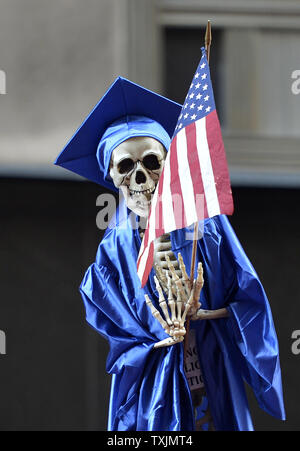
(182, 284)
(182, 297)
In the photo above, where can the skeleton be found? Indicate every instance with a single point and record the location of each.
(135, 167)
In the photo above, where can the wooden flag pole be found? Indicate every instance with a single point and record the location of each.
(208, 39)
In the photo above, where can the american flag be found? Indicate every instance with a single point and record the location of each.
(195, 182)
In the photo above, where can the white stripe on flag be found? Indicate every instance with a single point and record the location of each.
(167, 205)
(213, 207)
(142, 262)
(185, 179)
(153, 219)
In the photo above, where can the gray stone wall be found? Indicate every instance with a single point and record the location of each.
(59, 57)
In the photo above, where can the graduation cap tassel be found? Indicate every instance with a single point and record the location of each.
(207, 40)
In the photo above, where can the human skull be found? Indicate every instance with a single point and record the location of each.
(135, 167)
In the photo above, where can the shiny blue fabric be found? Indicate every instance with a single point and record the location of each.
(149, 389)
(125, 128)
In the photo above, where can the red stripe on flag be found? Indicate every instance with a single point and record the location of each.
(146, 235)
(178, 205)
(159, 230)
(195, 169)
(148, 265)
(219, 163)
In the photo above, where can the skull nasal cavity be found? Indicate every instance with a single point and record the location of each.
(140, 177)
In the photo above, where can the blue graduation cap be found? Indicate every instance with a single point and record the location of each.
(126, 110)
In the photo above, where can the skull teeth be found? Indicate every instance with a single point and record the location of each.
(146, 191)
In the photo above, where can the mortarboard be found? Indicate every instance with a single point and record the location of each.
(125, 110)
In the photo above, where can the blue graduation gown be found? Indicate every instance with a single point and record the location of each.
(149, 389)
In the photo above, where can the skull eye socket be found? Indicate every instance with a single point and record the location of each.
(151, 162)
(125, 166)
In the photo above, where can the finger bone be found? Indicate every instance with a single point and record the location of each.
(171, 268)
(171, 301)
(156, 314)
(162, 301)
(183, 268)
